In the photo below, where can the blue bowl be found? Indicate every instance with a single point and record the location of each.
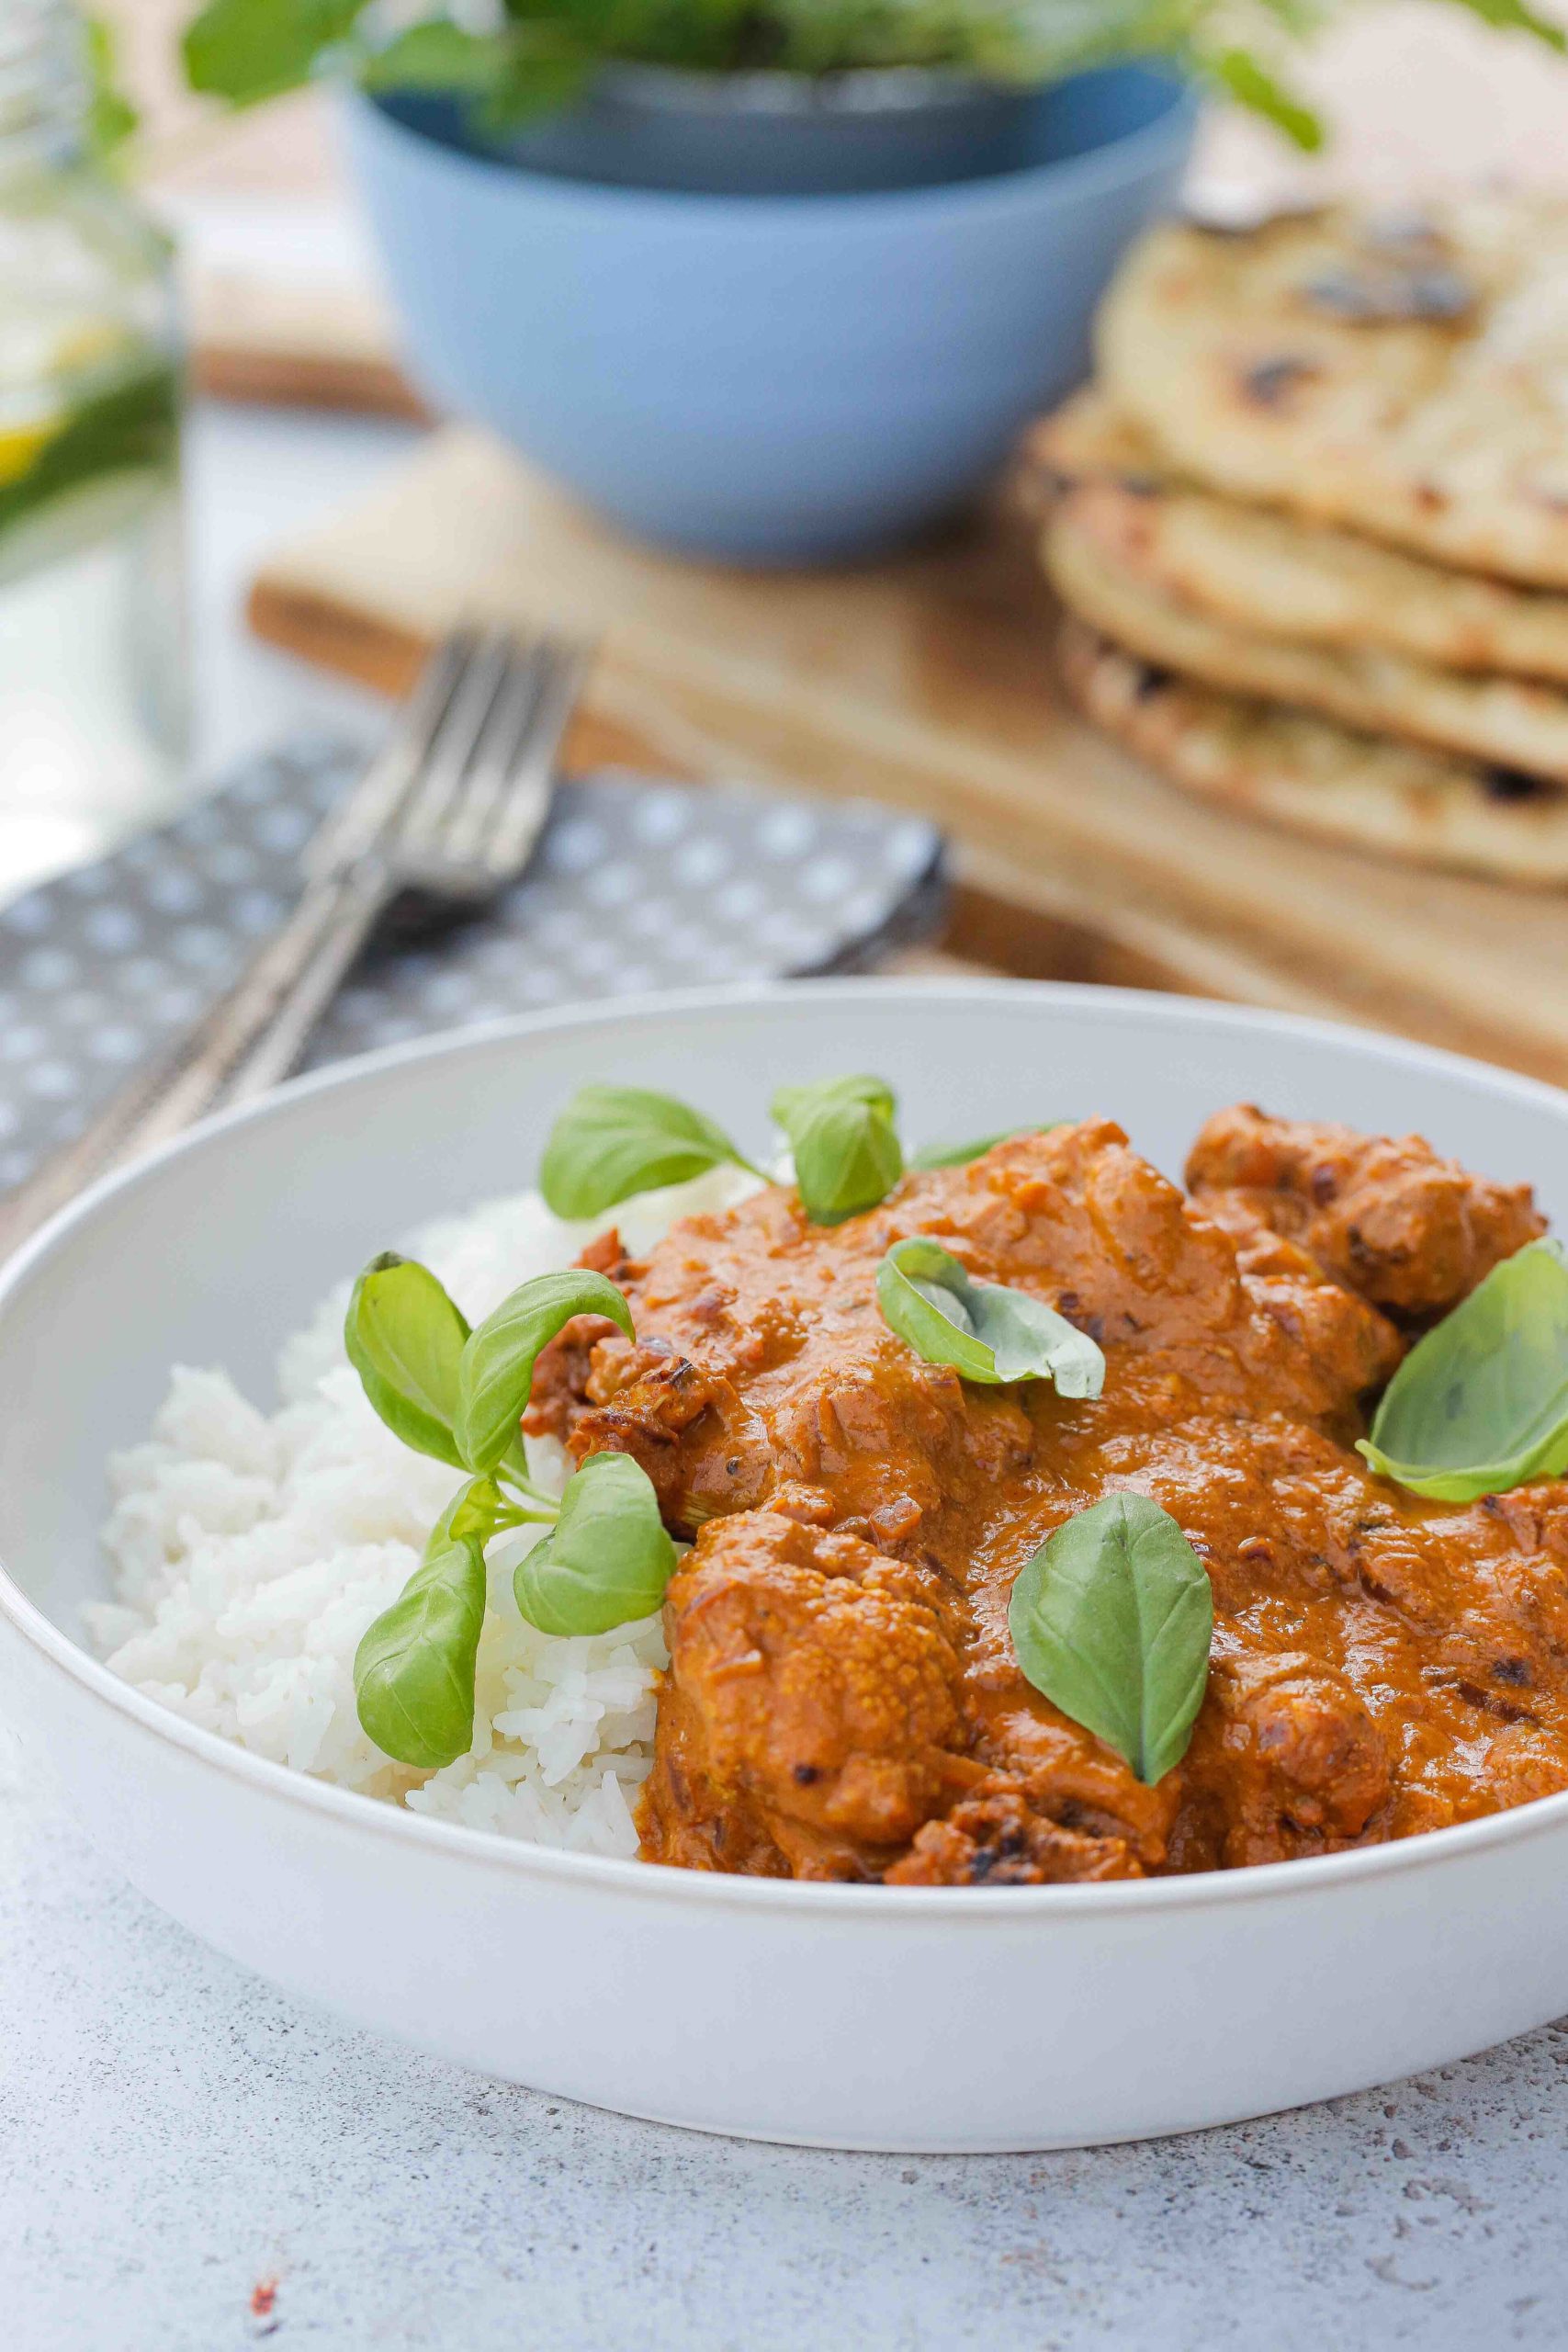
(764, 380)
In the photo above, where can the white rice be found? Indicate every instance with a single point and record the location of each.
(251, 1551)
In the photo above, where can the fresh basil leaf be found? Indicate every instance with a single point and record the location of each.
(606, 1560)
(846, 1149)
(414, 1672)
(792, 1104)
(436, 55)
(1248, 81)
(984, 1330)
(111, 118)
(405, 1339)
(1481, 1404)
(613, 1141)
(246, 50)
(496, 1373)
(1112, 1618)
(959, 1155)
(1515, 16)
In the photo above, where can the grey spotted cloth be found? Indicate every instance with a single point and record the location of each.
(637, 883)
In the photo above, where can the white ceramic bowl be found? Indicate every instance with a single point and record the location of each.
(925, 2019)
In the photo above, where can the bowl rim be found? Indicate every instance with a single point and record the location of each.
(1111, 162)
(1026, 1906)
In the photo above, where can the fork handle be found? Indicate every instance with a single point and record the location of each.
(264, 1053)
(230, 1054)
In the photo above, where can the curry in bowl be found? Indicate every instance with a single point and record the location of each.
(1046, 1523)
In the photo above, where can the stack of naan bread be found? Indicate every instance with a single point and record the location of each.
(1311, 526)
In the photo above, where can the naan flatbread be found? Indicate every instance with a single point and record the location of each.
(1405, 378)
(1255, 568)
(1505, 722)
(1314, 776)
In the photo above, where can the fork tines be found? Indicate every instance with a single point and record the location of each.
(454, 802)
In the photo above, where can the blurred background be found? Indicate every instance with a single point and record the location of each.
(761, 453)
(285, 307)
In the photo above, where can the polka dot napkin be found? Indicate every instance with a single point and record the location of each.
(637, 883)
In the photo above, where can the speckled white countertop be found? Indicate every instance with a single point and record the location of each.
(190, 2162)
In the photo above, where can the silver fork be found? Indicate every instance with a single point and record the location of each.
(450, 810)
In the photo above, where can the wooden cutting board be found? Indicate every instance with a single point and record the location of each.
(926, 682)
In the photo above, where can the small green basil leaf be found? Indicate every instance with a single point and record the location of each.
(846, 1149)
(111, 118)
(496, 1373)
(473, 1511)
(1481, 1404)
(959, 1155)
(414, 1672)
(606, 1560)
(405, 1339)
(434, 55)
(792, 1104)
(1112, 1618)
(613, 1141)
(984, 1330)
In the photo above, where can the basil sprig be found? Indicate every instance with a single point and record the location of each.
(495, 1375)
(1112, 1618)
(460, 1395)
(613, 1141)
(405, 1339)
(984, 1330)
(959, 1155)
(846, 1149)
(414, 1672)
(1481, 1404)
(606, 1560)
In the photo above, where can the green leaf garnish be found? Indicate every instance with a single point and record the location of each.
(111, 118)
(245, 51)
(613, 1141)
(1249, 81)
(434, 55)
(129, 426)
(846, 1149)
(531, 54)
(984, 1330)
(959, 1155)
(1112, 1618)
(606, 1560)
(496, 1373)
(414, 1672)
(405, 1339)
(460, 1396)
(1481, 1404)
(1515, 15)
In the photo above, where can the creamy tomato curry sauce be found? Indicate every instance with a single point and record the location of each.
(843, 1700)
